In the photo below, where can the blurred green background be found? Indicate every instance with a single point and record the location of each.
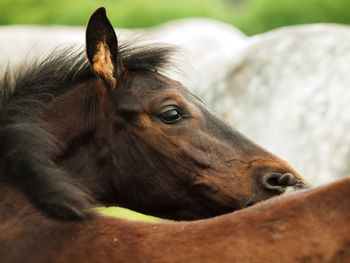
(251, 16)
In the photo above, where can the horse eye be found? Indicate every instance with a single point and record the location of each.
(170, 116)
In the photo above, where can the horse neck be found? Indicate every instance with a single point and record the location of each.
(75, 120)
(73, 113)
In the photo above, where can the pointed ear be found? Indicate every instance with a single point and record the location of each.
(102, 48)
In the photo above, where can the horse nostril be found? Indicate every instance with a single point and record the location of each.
(287, 179)
(278, 182)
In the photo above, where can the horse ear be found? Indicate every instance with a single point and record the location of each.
(102, 48)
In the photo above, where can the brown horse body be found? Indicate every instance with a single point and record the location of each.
(308, 226)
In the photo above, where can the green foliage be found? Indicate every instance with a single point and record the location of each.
(122, 13)
(256, 16)
(251, 16)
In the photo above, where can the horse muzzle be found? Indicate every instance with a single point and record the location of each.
(281, 183)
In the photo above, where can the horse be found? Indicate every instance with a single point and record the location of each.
(47, 170)
(115, 131)
(304, 226)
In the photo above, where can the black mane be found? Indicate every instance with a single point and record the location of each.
(27, 148)
(57, 72)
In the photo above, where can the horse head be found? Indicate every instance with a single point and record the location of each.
(128, 135)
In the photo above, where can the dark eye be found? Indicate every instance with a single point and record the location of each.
(170, 116)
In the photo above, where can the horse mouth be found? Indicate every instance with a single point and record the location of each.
(300, 185)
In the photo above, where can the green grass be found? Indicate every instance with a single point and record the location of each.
(124, 213)
(251, 16)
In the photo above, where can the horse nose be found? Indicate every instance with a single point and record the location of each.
(278, 182)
